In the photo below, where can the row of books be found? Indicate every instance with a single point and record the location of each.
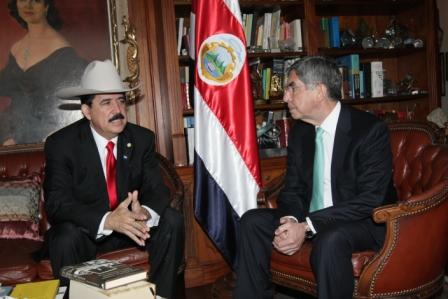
(269, 31)
(268, 78)
(331, 32)
(361, 80)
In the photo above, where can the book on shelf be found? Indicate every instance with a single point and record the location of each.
(335, 39)
(135, 290)
(36, 290)
(344, 86)
(267, 23)
(367, 75)
(185, 87)
(275, 31)
(377, 75)
(180, 30)
(296, 34)
(189, 137)
(351, 62)
(325, 28)
(105, 274)
(266, 82)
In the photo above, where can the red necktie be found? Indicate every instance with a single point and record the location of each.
(110, 173)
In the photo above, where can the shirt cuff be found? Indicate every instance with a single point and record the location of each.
(310, 224)
(101, 231)
(154, 220)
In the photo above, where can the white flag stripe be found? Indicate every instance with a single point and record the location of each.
(222, 159)
(234, 8)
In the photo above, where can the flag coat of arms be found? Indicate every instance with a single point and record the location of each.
(226, 165)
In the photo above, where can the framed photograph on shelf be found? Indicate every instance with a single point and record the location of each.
(45, 47)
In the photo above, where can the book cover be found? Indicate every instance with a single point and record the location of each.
(105, 274)
(36, 290)
(335, 39)
(5, 290)
(275, 31)
(344, 86)
(377, 83)
(180, 28)
(139, 289)
(365, 67)
(296, 34)
(266, 30)
(325, 27)
(189, 133)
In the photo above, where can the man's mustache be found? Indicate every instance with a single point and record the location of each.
(116, 116)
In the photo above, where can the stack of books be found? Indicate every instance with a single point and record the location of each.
(107, 279)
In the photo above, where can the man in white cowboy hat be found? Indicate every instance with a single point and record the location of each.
(103, 189)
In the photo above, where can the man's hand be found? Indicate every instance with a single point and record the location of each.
(128, 222)
(289, 236)
(140, 212)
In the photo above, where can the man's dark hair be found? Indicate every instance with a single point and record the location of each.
(52, 14)
(87, 99)
(312, 70)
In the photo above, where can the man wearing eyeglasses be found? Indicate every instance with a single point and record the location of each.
(339, 169)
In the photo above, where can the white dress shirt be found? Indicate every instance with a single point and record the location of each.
(329, 128)
(101, 144)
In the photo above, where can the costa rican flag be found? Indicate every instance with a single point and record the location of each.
(226, 165)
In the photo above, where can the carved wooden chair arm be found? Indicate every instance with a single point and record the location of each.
(415, 246)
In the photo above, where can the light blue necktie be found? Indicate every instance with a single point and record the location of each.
(317, 200)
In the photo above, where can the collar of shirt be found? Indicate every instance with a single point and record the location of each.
(101, 144)
(331, 121)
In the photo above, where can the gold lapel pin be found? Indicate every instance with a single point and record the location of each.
(129, 145)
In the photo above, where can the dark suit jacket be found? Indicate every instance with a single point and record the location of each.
(75, 188)
(361, 170)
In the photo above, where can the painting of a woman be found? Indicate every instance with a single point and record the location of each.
(39, 63)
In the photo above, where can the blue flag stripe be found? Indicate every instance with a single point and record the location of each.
(214, 212)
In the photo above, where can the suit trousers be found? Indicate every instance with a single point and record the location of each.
(330, 256)
(70, 245)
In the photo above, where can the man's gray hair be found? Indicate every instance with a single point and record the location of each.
(313, 70)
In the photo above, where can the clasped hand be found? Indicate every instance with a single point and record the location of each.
(131, 222)
(289, 236)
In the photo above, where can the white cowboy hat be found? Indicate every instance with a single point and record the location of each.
(99, 77)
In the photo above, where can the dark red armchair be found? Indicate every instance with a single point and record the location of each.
(412, 262)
